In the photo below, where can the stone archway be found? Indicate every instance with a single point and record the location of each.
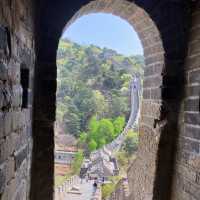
(142, 182)
(162, 85)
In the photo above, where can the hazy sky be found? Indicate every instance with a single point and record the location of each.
(105, 30)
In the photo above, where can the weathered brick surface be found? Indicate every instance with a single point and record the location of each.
(170, 109)
(186, 185)
(162, 28)
(20, 156)
(192, 118)
(16, 48)
(121, 191)
(192, 132)
(194, 76)
(192, 105)
(2, 178)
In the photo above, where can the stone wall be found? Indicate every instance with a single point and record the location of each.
(162, 28)
(170, 108)
(16, 55)
(150, 176)
(187, 170)
(50, 24)
(121, 191)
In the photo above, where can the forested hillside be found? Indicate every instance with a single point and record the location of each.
(93, 88)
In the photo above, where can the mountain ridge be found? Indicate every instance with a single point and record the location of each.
(92, 81)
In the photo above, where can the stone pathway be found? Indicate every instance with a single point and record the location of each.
(86, 190)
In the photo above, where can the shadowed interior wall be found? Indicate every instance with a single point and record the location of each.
(187, 169)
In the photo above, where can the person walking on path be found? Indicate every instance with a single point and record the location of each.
(95, 185)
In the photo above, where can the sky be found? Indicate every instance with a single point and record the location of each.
(105, 30)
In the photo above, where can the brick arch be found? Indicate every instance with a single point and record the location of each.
(154, 54)
(137, 17)
(164, 54)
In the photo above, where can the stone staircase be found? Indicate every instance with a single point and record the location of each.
(61, 190)
(75, 189)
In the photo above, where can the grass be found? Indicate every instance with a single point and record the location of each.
(108, 189)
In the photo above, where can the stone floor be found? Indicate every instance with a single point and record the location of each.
(86, 190)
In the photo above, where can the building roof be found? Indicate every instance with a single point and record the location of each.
(64, 142)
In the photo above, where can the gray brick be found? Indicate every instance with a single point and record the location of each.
(21, 192)
(191, 146)
(192, 132)
(146, 93)
(156, 93)
(192, 118)
(17, 121)
(17, 96)
(2, 178)
(7, 123)
(193, 91)
(20, 156)
(194, 77)
(5, 97)
(1, 125)
(192, 105)
(10, 169)
(3, 72)
(3, 38)
(6, 148)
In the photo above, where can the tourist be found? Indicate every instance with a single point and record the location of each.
(95, 185)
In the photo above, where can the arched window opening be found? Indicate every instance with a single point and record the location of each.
(153, 112)
(99, 88)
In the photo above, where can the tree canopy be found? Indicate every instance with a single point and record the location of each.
(93, 98)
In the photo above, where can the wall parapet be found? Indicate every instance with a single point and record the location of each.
(61, 190)
(121, 192)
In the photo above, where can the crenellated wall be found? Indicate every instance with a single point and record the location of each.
(16, 66)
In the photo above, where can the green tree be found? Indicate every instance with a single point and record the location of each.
(101, 104)
(92, 145)
(106, 130)
(119, 123)
(131, 142)
(78, 160)
(107, 190)
(93, 129)
(60, 111)
(82, 141)
(72, 123)
(83, 137)
(92, 82)
(101, 142)
(84, 101)
(122, 159)
(101, 132)
(119, 106)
